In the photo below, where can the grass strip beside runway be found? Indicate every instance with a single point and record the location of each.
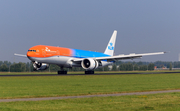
(82, 72)
(158, 102)
(52, 86)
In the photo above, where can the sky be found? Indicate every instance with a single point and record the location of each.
(142, 26)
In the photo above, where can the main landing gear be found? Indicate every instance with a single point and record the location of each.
(65, 72)
(62, 71)
(89, 72)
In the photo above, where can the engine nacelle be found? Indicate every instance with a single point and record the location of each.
(40, 66)
(89, 64)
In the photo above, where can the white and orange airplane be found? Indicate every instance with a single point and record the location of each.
(42, 56)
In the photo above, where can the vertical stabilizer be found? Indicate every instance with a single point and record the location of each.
(111, 45)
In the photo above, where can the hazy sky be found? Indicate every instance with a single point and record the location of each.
(142, 25)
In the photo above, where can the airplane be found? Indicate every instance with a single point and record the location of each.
(43, 55)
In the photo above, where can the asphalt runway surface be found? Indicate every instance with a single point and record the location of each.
(87, 96)
(11, 75)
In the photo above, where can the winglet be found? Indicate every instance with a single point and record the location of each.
(111, 45)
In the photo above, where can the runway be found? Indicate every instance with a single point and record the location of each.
(88, 96)
(14, 75)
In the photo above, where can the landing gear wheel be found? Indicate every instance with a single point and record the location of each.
(62, 72)
(89, 72)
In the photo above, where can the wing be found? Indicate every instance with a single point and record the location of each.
(121, 57)
(21, 55)
(130, 56)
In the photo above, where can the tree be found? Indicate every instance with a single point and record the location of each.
(4, 68)
(18, 67)
(151, 66)
(126, 67)
(114, 67)
(170, 66)
(54, 67)
(142, 67)
(135, 67)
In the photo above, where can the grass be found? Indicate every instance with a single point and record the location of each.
(23, 73)
(45, 86)
(48, 86)
(82, 72)
(157, 102)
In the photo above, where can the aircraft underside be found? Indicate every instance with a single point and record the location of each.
(88, 64)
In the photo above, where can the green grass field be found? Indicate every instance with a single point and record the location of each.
(44, 86)
(82, 72)
(157, 102)
(48, 86)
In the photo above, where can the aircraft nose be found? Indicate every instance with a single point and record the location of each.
(32, 53)
(28, 54)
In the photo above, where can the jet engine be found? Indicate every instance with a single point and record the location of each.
(40, 66)
(89, 64)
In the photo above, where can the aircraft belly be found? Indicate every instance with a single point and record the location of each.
(59, 60)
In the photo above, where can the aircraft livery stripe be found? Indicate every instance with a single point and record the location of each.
(84, 54)
(42, 51)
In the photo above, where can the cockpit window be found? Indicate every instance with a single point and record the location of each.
(31, 50)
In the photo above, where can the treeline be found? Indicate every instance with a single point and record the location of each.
(15, 67)
(6, 66)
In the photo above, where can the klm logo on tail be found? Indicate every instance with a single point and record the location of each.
(111, 46)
